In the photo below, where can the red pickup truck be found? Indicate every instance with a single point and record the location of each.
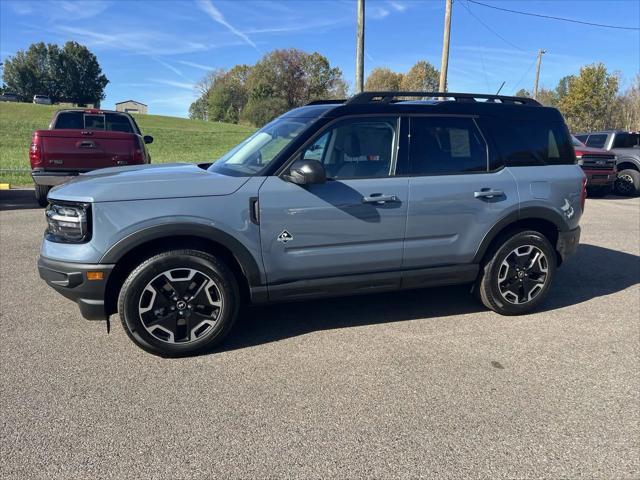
(79, 141)
(599, 166)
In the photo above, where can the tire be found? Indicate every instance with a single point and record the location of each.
(628, 183)
(163, 323)
(41, 194)
(502, 287)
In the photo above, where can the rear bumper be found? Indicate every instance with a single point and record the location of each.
(568, 242)
(52, 178)
(70, 280)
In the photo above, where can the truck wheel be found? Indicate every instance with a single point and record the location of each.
(41, 194)
(517, 273)
(628, 183)
(179, 302)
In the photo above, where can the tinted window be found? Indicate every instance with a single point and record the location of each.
(356, 148)
(98, 121)
(597, 141)
(440, 146)
(524, 143)
(582, 138)
(626, 140)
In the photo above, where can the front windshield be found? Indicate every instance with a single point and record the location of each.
(256, 152)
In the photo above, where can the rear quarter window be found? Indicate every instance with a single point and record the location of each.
(532, 143)
(626, 140)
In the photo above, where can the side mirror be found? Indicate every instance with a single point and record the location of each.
(147, 139)
(306, 172)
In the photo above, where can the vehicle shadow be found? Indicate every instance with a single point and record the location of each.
(18, 200)
(593, 272)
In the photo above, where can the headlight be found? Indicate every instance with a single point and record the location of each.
(68, 223)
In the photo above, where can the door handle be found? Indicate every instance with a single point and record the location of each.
(87, 144)
(379, 198)
(488, 193)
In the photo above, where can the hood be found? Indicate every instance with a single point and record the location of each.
(144, 182)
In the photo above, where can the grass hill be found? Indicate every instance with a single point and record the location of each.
(175, 139)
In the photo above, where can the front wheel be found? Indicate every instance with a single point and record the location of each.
(41, 194)
(179, 302)
(517, 274)
(628, 183)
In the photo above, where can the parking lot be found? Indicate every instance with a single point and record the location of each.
(415, 384)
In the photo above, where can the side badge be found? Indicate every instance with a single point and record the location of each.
(285, 236)
(567, 209)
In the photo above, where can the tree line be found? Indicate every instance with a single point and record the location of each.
(591, 100)
(70, 73)
(285, 79)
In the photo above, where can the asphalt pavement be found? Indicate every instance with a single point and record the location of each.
(415, 384)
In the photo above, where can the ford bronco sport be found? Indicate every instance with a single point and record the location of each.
(334, 198)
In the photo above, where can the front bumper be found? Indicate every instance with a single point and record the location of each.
(70, 280)
(600, 177)
(568, 242)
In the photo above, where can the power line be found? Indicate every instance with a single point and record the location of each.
(553, 18)
(489, 28)
(515, 89)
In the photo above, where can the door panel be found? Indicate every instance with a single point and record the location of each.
(454, 201)
(331, 231)
(447, 220)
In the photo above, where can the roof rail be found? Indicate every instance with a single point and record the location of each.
(325, 102)
(388, 97)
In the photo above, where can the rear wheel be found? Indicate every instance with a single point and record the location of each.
(628, 183)
(516, 276)
(41, 194)
(179, 302)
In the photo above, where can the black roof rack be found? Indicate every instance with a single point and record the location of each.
(325, 102)
(388, 97)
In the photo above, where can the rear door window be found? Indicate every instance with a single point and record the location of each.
(597, 141)
(445, 146)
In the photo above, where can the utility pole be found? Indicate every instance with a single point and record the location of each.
(360, 48)
(445, 46)
(535, 86)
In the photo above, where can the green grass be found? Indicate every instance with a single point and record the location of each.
(175, 139)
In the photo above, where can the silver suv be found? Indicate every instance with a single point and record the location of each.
(333, 198)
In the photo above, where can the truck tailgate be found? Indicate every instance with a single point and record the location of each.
(87, 149)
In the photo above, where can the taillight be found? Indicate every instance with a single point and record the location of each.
(138, 153)
(583, 193)
(35, 152)
(579, 157)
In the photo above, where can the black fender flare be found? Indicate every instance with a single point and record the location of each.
(533, 213)
(243, 256)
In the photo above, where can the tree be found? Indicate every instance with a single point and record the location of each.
(548, 98)
(71, 73)
(422, 77)
(590, 100)
(80, 75)
(629, 107)
(523, 93)
(229, 94)
(383, 79)
(198, 109)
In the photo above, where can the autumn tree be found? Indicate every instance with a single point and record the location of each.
(383, 79)
(590, 101)
(422, 77)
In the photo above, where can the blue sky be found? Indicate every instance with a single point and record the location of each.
(154, 51)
